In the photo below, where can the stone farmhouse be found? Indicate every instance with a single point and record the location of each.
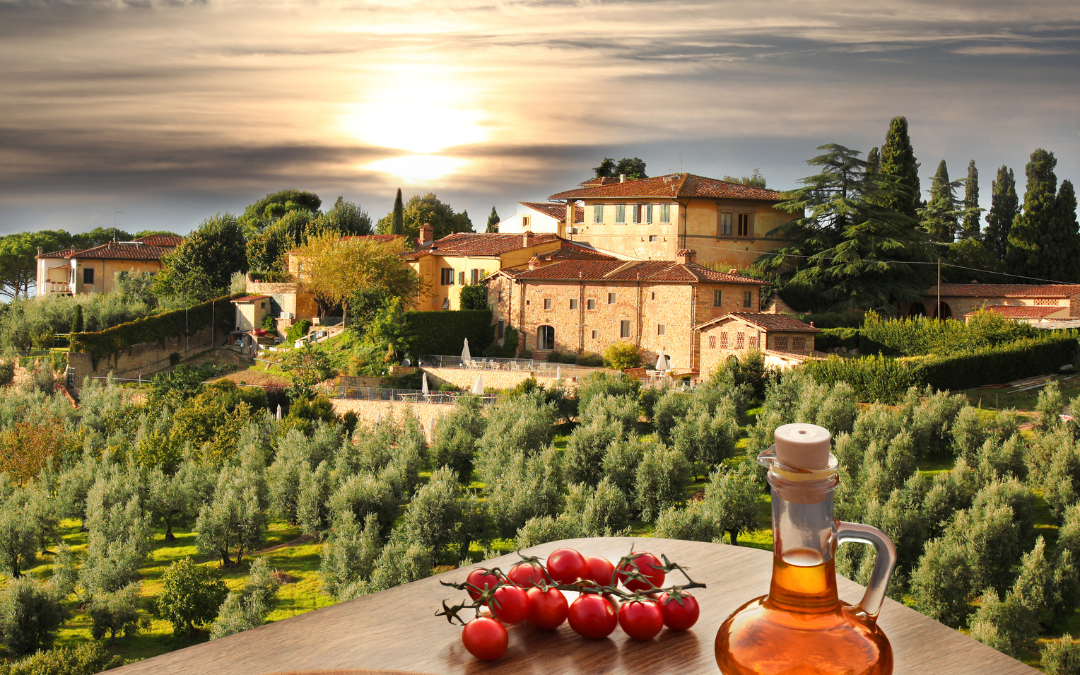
(583, 306)
(784, 340)
(94, 270)
(1023, 302)
(539, 217)
(654, 218)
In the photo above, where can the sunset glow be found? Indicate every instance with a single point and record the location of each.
(418, 168)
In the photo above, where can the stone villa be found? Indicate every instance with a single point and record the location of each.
(94, 270)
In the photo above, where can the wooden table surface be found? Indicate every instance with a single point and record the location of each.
(397, 630)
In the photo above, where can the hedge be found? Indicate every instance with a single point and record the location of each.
(156, 328)
(884, 379)
(835, 338)
(445, 332)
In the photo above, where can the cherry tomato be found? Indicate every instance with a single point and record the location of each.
(485, 638)
(567, 566)
(644, 563)
(547, 609)
(676, 616)
(513, 604)
(480, 579)
(641, 620)
(526, 575)
(592, 616)
(600, 569)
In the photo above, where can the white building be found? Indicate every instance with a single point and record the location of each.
(540, 218)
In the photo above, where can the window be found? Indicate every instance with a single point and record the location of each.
(744, 224)
(723, 340)
(653, 297)
(501, 330)
(590, 303)
(573, 303)
(624, 328)
(598, 213)
(461, 278)
(500, 295)
(595, 334)
(526, 223)
(547, 303)
(723, 225)
(753, 342)
(545, 337)
(740, 340)
(665, 213)
(611, 298)
(717, 298)
(262, 305)
(660, 329)
(747, 299)
(712, 342)
(798, 344)
(620, 213)
(780, 343)
(642, 213)
(475, 277)
(88, 275)
(446, 276)
(653, 238)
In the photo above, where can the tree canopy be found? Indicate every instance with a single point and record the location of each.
(898, 159)
(427, 209)
(1043, 240)
(202, 265)
(634, 168)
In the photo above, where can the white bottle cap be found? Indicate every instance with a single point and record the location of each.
(804, 446)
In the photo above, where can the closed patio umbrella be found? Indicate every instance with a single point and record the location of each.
(424, 387)
(466, 357)
(558, 372)
(662, 362)
(478, 386)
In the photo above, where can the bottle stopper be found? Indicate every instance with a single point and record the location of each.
(803, 446)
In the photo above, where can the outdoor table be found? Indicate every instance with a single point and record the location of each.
(397, 630)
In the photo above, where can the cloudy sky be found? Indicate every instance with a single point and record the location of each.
(169, 111)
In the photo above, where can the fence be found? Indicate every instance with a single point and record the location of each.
(406, 395)
(493, 363)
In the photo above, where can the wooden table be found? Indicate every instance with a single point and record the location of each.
(397, 629)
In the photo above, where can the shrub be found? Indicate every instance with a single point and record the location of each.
(297, 331)
(349, 554)
(612, 384)
(589, 360)
(691, 523)
(445, 332)
(30, 617)
(510, 343)
(7, 372)
(661, 481)
(116, 613)
(542, 529)
(247, 609)
(602, 510)
(622, 355)
(474, 296)
(836, 338)
(269, 324)
(85, 659)
(456, 437)
(191, 594)
(1061, 657)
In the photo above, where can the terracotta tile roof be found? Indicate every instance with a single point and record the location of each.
(1022, 311)
(674, 186)
(574, 251)
(122, 251)
(1006, 290)
(633, 270)
(599, 180)
(774, 322)
(477, 244)
(556, 211)
(374, 237)
(165, 240)
(813, 355)
(251, 298)
(66, 253)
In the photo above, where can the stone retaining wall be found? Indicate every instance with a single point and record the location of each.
(495, 379)
(145, 358)
(369, 412)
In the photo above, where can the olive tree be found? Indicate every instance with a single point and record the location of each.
(191, 595)
(248, 608)
(349, 555)
(234, 522)
(30, 616)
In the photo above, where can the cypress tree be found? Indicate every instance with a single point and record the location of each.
(493, 220)
(1038, 244)
(939, 218)
(398, 224)
(898, 159)
(1066, 228)
(971, 203)
(873, 161)
(77, 320)
(1004, 206)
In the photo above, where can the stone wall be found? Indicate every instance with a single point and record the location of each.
(143, 359)
(369, 412)
(493, 379)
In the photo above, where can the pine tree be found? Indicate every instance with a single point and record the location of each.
(972, 211)
(1040, 241)
(873, 161)
(1004, 207)
(940, 216)
(493, 220)
(398, 223)
(898, 159)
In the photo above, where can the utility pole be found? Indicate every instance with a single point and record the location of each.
(937, 314)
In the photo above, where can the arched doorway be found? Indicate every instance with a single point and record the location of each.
(916, 309)
(545, 338)
(946, 311)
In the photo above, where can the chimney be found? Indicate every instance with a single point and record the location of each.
(811, 324)
(40, 250)
(622, 177)
(427, 234)
(684, 256)
(527, 238)
(533, 262)
(733, 271)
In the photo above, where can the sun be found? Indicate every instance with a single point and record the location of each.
(419, 168)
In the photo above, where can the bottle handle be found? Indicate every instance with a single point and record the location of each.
(884, 564)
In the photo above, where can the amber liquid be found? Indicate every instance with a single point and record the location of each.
(801, 627)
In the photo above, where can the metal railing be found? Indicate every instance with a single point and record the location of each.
(406, 395)
(495, 363)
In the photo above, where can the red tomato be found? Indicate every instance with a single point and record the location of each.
(676, 616)
(526, 575)
(547, 609)
(592, 616)
(480, 579)
(641, 620)
(567, 566)
(485, 638)
(511, 604)
(600, 569)
(644, 563)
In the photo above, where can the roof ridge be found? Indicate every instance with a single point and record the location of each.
(682, 184)
(625, 266)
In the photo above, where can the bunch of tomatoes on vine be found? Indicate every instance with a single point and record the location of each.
(629, 594)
